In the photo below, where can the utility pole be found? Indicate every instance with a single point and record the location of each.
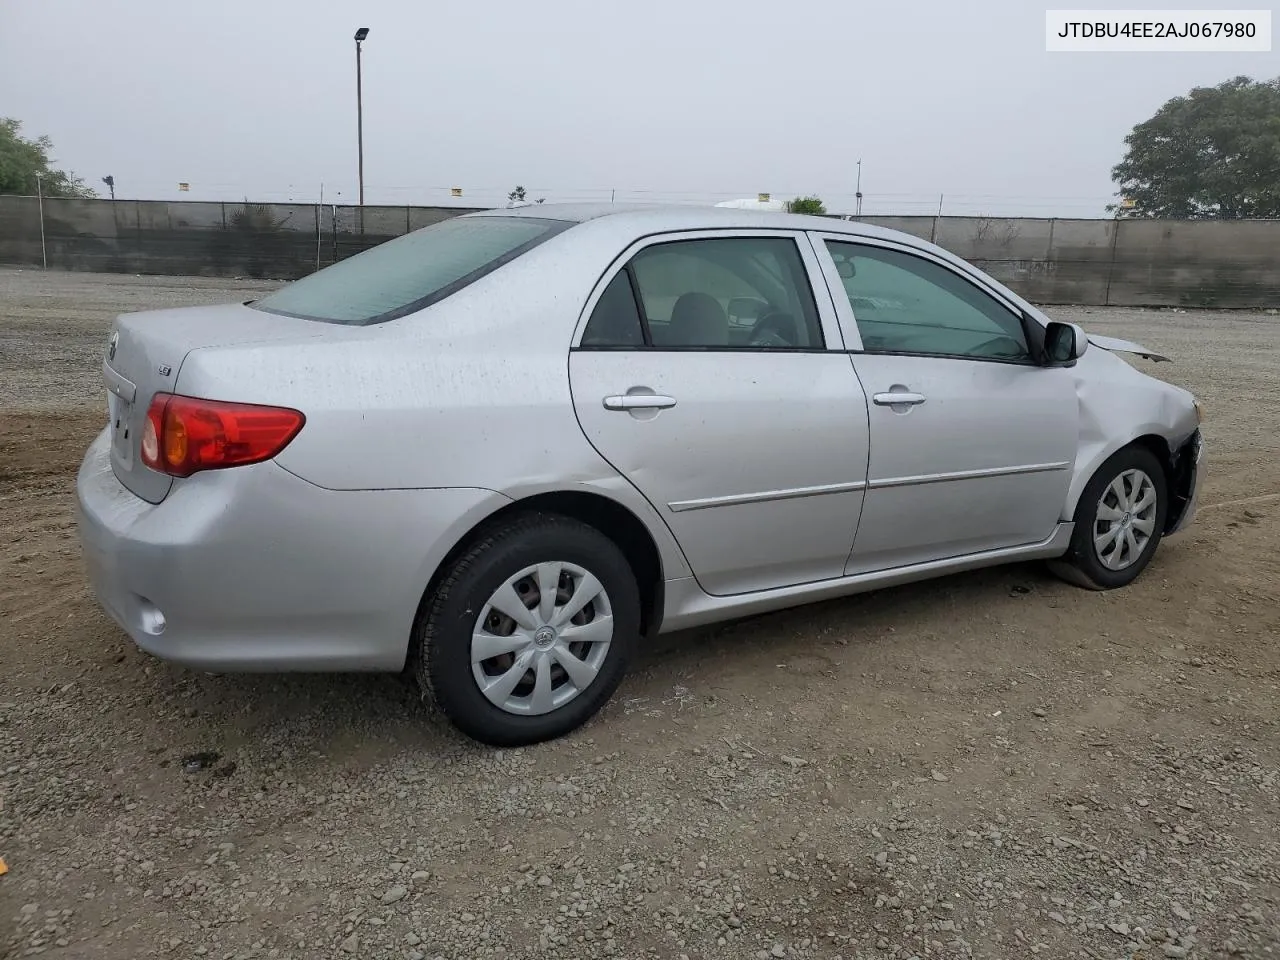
(360, 35)
(857, 207)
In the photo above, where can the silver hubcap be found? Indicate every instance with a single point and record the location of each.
(1126, 519)
(541, 639)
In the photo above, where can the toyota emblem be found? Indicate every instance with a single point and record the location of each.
(111, 346)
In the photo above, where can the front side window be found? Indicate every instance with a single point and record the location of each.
(908, 304)
(410, 272)
(725, 292)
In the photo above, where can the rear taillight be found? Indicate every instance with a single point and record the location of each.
(184, 435)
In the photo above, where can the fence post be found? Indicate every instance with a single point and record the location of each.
(44, 255)
(1111, 265)
(333, 229)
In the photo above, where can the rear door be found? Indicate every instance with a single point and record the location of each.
(709, 375)
(972, 443)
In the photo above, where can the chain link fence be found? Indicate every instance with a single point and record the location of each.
(1092, 262)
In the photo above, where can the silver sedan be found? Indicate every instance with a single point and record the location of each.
(499, 451)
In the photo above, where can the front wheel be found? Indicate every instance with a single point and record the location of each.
(1118, 522)
(530, 632)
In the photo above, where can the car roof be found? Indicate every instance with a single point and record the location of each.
(642, 218)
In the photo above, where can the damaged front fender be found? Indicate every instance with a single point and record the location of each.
(1118, 406)
(1126, 346)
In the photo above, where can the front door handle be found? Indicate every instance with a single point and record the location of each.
(893, 399)
(639, 401)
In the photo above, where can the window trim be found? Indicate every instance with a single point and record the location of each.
(646, 335)
(849, 322)
(828, 320)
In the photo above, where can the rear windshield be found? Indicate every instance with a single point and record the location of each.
(410, 272)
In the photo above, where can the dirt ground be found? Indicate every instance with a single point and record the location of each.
(994, 765)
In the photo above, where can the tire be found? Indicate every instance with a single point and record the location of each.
(556, 549)
(1085, 563)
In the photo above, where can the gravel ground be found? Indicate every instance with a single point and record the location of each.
(992, 765)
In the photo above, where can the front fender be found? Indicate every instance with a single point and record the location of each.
(1125, 346)
(1117, 406)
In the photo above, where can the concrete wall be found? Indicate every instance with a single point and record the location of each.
(1116, 262)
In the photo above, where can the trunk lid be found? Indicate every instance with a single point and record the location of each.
(144, 356)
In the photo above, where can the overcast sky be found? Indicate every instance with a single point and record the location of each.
(666, 99)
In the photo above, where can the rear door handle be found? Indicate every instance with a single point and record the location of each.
(639, 401)
(893, 399)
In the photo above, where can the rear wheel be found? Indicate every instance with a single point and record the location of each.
(1119, 522)
(530, 632)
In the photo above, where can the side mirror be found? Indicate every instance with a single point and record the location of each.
(1064, 343)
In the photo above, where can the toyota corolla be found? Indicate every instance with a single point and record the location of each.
(501, 450)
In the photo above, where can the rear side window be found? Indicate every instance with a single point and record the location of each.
(410, 272)
(741, 292)
(724, 293)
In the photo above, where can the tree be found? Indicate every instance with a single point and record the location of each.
(258, 237)
(809, 205)
(1214, 153)
(517, 197)
(23, 160)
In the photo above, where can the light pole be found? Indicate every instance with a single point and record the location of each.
(360, 35)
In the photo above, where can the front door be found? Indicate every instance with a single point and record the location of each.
(703, 375)
(972, 443)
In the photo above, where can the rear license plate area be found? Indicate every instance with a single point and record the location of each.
(122, 439)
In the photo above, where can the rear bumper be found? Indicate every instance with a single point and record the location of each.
(1189, 477)
(255, 569)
